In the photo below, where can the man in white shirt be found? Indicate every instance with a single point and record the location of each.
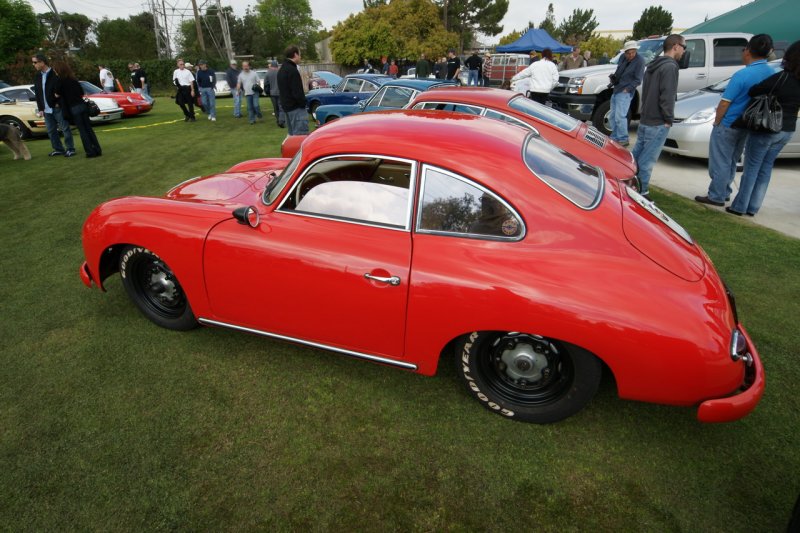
(543, 76)
(184, 81)
(106, 79)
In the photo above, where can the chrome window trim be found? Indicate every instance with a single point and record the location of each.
(299, 156)
(478, 107)
(377, 95)
(358, 355)
(600, 190)
(484, 110)
(417, 226)
(573, 128)
(409, 206)
(515, 119)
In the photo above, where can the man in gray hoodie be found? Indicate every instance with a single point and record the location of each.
(659, 92)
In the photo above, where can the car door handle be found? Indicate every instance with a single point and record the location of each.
(393, 280)
(700, 77)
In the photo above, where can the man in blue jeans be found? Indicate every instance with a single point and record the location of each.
(291, 95)
(727, 142)
(625, 79)
(659, 91)
(206, 82)
(49, 106)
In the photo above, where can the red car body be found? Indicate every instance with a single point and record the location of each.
(132, 104)
(611, 280)
(574, 136)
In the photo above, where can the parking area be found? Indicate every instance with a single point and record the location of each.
(688, 177)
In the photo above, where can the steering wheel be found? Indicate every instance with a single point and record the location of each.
(309, 182)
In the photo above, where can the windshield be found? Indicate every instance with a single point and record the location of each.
(88, 88)
(575, 180)
(543, 113)
(649, 50)
(276, 186)
(5, 99)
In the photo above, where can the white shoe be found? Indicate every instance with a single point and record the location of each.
(213, 119)
(209, 118)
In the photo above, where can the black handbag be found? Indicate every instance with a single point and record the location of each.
(257, 89)
(92, 107)
(765, 114)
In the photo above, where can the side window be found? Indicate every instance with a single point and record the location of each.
(355, 189)
(505, 118)
(352, 86)
(512, 61)
(728, 52)
(696, 48)
(369, 87)
(376, 99)
(457, 206)
(396, 97)
(458, 108)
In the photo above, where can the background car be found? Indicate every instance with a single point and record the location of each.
(109, 110)
(353, 88)
(221, 88)
(3, 84)
(564, 131)
(321, 79)
(132, 104)
(262, 79)
(395, 94)
(21, 115)
(414, 238)
(694, 117)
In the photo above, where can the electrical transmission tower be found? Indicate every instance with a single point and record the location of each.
(169, 14)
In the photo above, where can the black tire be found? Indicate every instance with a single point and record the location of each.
(14, 122)
(601, 118)
(330, 119)
(313, 107)
(154, 289)
(527, 377)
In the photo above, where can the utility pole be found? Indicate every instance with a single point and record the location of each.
(226, 32)
(197, 26)
(52, 6)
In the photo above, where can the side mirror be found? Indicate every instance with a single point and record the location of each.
(684, 62)
(362, 104)
(247, 215)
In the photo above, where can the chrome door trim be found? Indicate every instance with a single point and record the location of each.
(357, 355)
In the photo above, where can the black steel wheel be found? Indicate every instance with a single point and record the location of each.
(155, 290)
(527, 377)
(14, 122)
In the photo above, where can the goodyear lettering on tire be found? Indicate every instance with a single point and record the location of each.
(130, 253)
(465, 358)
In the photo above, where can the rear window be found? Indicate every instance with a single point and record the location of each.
(575, 180)
(544, 113)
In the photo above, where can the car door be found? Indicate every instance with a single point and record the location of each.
(695, 75)
(330, 265)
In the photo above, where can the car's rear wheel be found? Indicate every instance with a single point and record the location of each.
(155, 290)
(331, 119)
(14, 122)
(527, 377)
(313, 107)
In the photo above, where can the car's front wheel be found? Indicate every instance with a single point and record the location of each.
(14, 122)
(527, 377)
(155, 290)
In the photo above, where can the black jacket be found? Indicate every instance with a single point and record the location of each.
(290, 87)
(659, 92)
(70, 92)
(49, 90)
(786, 88)
(473, 62)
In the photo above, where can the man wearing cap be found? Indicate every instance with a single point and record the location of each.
(206, 82)
(274, 93)
(659, 92)
(627, 77)
(232, 77)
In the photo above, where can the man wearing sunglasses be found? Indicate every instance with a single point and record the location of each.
(49, 106)
(659, 92)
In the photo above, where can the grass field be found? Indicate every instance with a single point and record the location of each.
(108, 422)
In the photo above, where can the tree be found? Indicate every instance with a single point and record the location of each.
(212, 34)
(598, 46)
(469, 17)
(577, 27)
(247, 36)
(655, 20)
(373, 3)
(549, 22)
(19, 29)
(75, 29)
(400, 29)
(287, 22)
(125, 39)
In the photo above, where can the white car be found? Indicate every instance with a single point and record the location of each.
(222, 88)
(694, 115)
(109, 110)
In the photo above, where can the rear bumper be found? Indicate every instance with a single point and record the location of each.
(86, 276)
(741, 404)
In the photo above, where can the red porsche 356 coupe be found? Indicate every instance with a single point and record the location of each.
(464, 239)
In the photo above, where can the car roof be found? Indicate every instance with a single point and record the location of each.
(418, 84)
(381, 78)
(500, 142)
(483, 96)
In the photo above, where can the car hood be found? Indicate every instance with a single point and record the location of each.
(694, 101)
(657, 236)
(230, 187)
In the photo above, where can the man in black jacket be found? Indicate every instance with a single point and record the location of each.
(292, 97)
(659, 92)
(48, 105)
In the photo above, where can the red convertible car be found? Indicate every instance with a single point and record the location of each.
(532, 271)
(564, 131)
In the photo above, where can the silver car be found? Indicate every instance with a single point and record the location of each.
(694, 116)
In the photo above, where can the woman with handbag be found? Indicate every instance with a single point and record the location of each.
(70, 92)
(762, 148)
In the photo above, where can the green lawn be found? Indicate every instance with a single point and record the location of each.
(108, 422)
